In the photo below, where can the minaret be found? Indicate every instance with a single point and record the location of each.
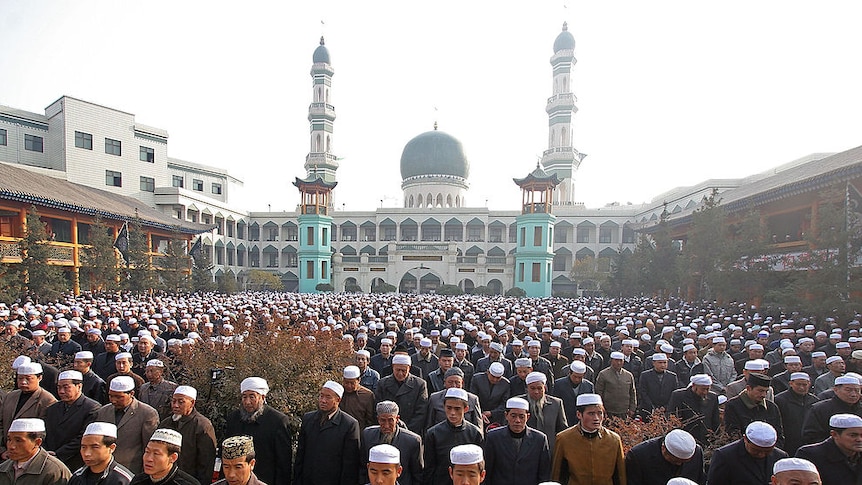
(561, 158)
(534, 254)
(321, 115)
(315, 222)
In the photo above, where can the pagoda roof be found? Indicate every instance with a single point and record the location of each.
(538, 177)
(314, 180)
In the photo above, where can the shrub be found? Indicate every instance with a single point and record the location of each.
(517, 292)
(324, 287)
(449, 290)
(634, 431)
(352, 288)
(384, 288)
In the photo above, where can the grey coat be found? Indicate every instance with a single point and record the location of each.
(133, 432)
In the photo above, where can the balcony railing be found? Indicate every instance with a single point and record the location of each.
(467, 259)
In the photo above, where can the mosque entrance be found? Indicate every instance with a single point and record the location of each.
(419, 280)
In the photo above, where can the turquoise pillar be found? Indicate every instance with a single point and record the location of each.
(314, 255)
(534, 254)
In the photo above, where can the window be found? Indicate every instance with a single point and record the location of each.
(628, 235)
(537, 237)
(177, 181)
(606, 235)
(309, 269)
(148, 155)
(523, 237)
(583, 235)
(148, 184)
(323, 238)
(33, 143)
(113, 147)
(324, 269)
(309, 238)
(217, 189)
(59, 230)
(537, 272)
(114, 179)
(521, 272)
(560, 236)
(198, 185)
(559, 262)
(292, 260)
(83, 140)
(3, 137)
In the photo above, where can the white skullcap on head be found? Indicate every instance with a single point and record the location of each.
(19, 361)
(800, 375)
(523, 362)
(122, 384)
(27, 425)
(30, 369)
(71, 375)
(466, 455)
(84, 355)
(425, 342)
(658, 357)
(844, 421)
(351, 372)
(589, 340)
(755, 347)
(818, 354)
(387, 454)
(187, 391)
(842, 345)
(793, 465)
(722, 399)
(579, 351)
(700, 380)
(517, 403)
(400, 359)
(680, 444)
(617, 356)
(335, 387)
(112, 337)
(792, 359)
(534, 343)
(101, 429)
(386, 341)
(364, 352)
(497, 346)
(761, 434)
(256, 384)
(681, 481)
(688, 347)
(588, 400)
(667, 348)
(155, 363)
(456, 393)
(845, 379)
(536, 377)
(753, 364)
(168, 436)
(578, 367)
(123, 355)
(496, 369)
(461, 346)
(834, 358)
(556, 344)
(719, 340)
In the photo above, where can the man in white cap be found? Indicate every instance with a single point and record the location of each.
(697, 407)
(270, 429)
(145, 353)
(751, 405)
(467, 465)
(64, 348)
(794, 404)
(570, 387)
(238, 461)
(689, 365)
(589, 453)
(656, 385)
(94, 387)
(838, 456)
(425, 359)
(747, 460)
(516, 453)
(493, 390)
(28, 401)
(795, 471)
(104, 363)
(97, 452)
(68, 418)
(160, 461)
(357, 400)
(157, 391)
(846, 400)
(135, 421)
(27, 463)
(388, 432)
(328, 446)
(617, 388)
(454, 377)
(781, 381)
(657, 460)
(384, 465)
(382, 361)
(123, 364)
(463, 362)
(199, 441)
(546, 412)
(836, 366)
(495, 354)
(408, 390)
(368, 377)
(719, 365)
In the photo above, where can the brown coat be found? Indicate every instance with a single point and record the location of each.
(34, 407)
(582, 461)
(43, 470)
(133, 432)
(360, 405)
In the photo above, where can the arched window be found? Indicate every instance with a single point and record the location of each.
(564, 138)
(429, 201)
(319, 94)
(439, 200)
(449, 200)
(565, 84)
(411, 202)
(327, 95)
(328, 144)
(317, 143)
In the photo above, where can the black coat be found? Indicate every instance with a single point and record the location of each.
(115, 474)
(701, 414)
(66, 427)
(684, 372)
(645, 465)
(273, 444)
(327, 454)
(732, 465)
(737, 416)
(508, 465)
(407, 442)
(564, 390)
(793, 408)
(491, 397)
(483, 364)
(816, 427)
(94, 388)
(439, 440)
(105, 364)
(831, 463)
(411, 397)
(174, 477)
(652, 393)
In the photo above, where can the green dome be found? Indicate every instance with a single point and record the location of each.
(434, 153)
(321, 54)
(564, 41)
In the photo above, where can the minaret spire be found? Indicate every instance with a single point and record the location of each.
(320, 160)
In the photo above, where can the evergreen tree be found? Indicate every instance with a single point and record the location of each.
(140, 276)
(175, 265)
(99, 269)
(11, 283)
(701, 259)
(227, 282)
(44, 281)
(202, 277)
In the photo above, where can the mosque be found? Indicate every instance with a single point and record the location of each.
(435, 238)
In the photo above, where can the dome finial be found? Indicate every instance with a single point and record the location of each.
(435, 125)
(323, 43)
(565, 28)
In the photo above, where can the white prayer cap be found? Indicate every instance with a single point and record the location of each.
(700, 380)
(71, 375)
(753, 365)
(666, 348)
(466, 455)
(461, 346)
(155, 363)
(122, 384)
(517, 403)
(534, 343)
(123, 355)
(27, 425)
(579, 351)
(588, 400)
(844, 421)
(722, 399)
(617, 356)
(517, 343)
(680, 444)
(101, 429)
(112, 337)
(425, 342)
(19, 361)
(755, 347)
(761, 434)
(256, 384)
(578, 367)
(497, 346)
(681, 481)
(588, 340)
(456, 393)
(834, 358)
(386, 341)
(496, 369)
(30, 369)
(792, 359)
(845, 379)
(792, 465)
(556, 344)
(842, 345)
(688, 347)
(335, 387)
(818, 354)
(168, 436)
(387, 454)
(658, 357)
(800, 375)
(400, 359)
(536, 377)
(719, 340)
(351, 372)
(523, 362)
(187, 391)
(64, 330)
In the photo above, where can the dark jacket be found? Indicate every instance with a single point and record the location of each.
(329, 453)
(66, 429)
(411, 397)
(564, 390)
(491, 397)
(439, 440)
(553, 419)
(407, 442)
(272, 443)
(134, 431)
(831, 463)
(700, 414)
(645, 465)
(199, 444)
(793, 408)
(34, 407)
(483, 364)
(115, 474)
(732, 465)
(360, 404)
(740, 411)
(684, 372)
(94, 388)
(252, 480)
(175, 477)
(105, 364)
(437, 409)
(652, 393)
(816, 427)
(508, 464)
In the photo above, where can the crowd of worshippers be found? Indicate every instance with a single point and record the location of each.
(441, 390)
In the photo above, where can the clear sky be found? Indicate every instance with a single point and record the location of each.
(670, 92)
